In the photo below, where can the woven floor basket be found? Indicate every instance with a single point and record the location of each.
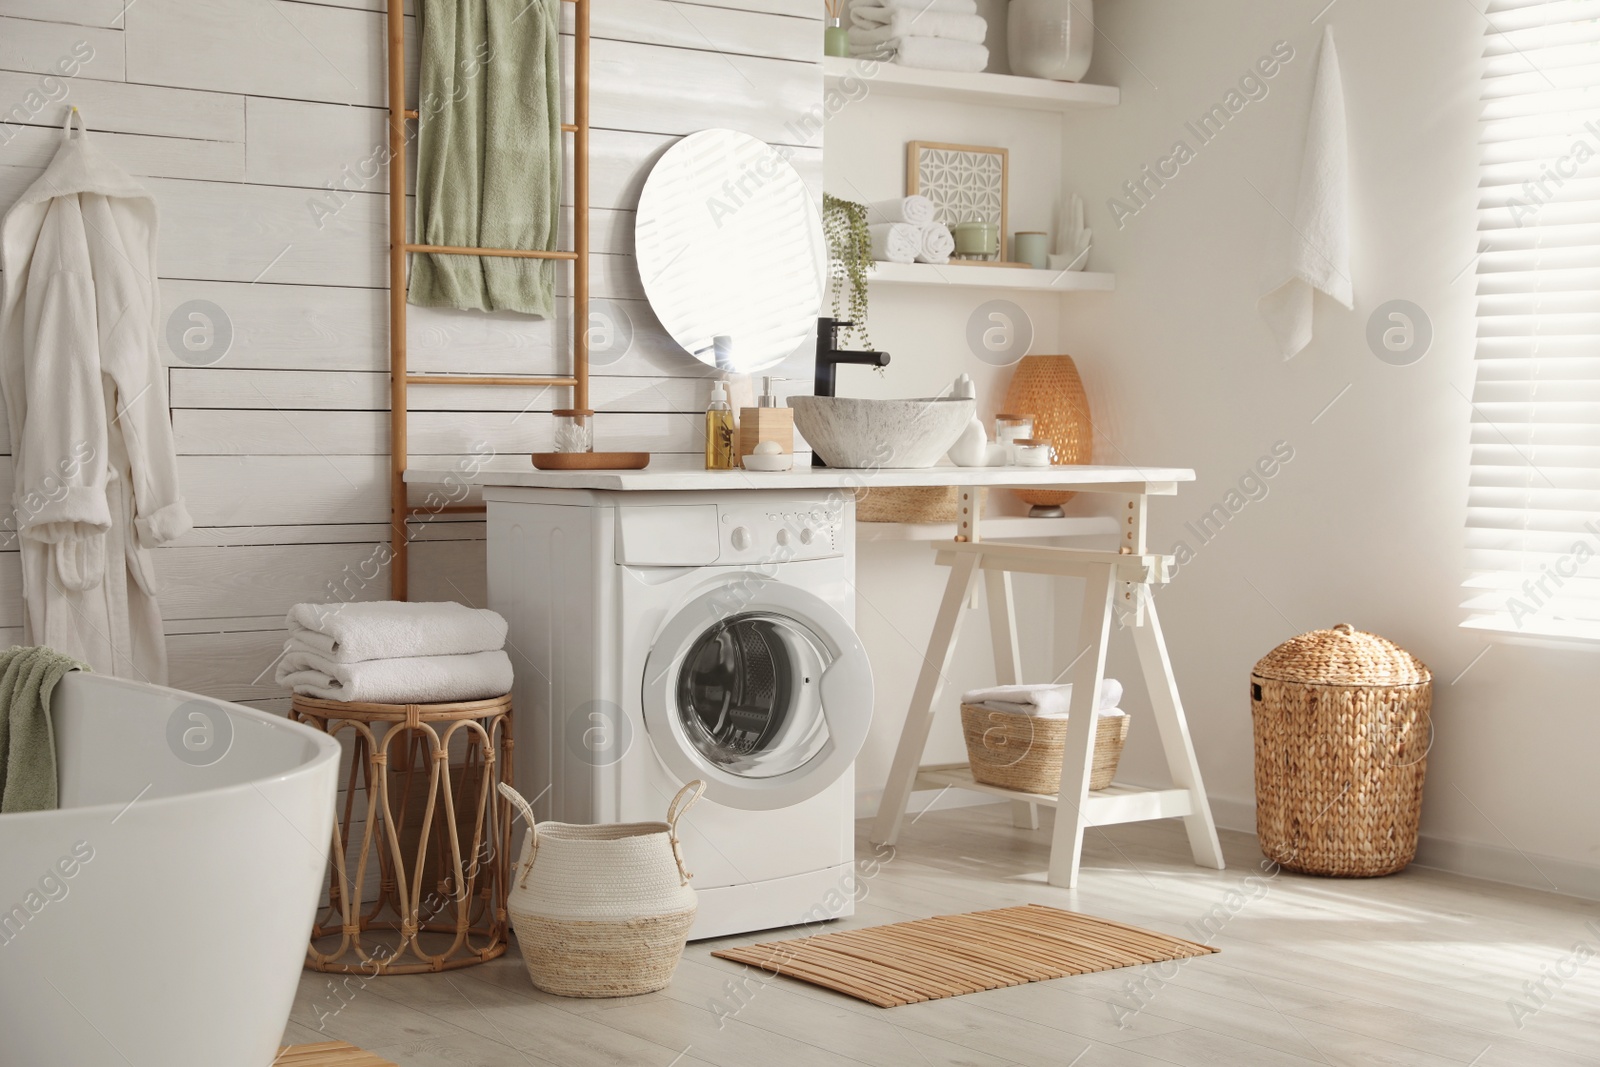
(1342, 732)
(602, 911)
(1023, 752)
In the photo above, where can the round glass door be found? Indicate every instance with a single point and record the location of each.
(749, 695)
(769, 704)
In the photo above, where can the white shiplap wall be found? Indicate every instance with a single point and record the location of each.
(239, 115)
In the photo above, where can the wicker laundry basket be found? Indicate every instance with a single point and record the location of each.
(1024, 752)
(602, 911)
(1342, 729)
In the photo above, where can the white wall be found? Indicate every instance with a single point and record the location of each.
(1365, 525)
(236, 114)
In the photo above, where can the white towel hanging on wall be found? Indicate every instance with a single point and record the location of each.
(1318, 254)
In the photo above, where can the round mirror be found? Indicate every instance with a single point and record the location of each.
(730, 249)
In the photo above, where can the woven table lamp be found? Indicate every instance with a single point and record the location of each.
(1049, 389)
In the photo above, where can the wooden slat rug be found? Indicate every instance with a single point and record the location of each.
(950, 955)
(328, 1054)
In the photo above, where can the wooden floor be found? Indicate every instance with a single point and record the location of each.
(1420, 968)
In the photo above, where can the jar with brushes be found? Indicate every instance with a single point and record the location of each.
(574, 430)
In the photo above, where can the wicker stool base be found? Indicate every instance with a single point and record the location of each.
(420, 842)
(602, 959)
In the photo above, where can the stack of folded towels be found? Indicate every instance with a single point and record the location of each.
(933, 34)
(906, 230)
(392, 652)
(1043, 701)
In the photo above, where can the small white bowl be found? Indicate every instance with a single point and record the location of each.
(769, 464)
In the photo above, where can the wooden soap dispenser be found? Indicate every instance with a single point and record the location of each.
(766, 422)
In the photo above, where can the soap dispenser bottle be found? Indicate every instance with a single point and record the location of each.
(766, 422)
(719, 430)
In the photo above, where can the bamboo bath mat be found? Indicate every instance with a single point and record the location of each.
(328, 1054)
(951, 955)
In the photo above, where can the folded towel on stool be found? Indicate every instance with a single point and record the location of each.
(416, 680)
(917, 210)
(896, 242)
(1044, 700)
(393, 629)
(937, 243)
(927, 53)
(873, 25)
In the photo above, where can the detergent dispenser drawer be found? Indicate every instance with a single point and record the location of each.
(671, 535)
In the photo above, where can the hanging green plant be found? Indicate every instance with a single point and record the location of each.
(844, 222)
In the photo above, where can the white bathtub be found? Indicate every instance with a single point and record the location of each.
(167, 930)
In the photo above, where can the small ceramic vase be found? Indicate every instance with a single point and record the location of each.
(1051, 38)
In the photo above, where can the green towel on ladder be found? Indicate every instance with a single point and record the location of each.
(27, 737)
(489, 153)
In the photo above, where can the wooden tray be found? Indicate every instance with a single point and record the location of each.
(591, 461)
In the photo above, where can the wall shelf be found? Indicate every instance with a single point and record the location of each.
(965, 274)
(999, 528)
(995, 90)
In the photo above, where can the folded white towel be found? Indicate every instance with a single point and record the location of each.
(877, 10)
(1033, 712)
(1039, 699)
(417, 680)
(1319, 241)
(870, 28)
(928, 53)
(896, 242)
(391, 629)
(937, 243)
(917, 210)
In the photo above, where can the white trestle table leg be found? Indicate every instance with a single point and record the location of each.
(919, 716)
(1174, 730)
(1007, 664)
(1094, 631)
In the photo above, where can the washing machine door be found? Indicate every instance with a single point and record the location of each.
(761, 689)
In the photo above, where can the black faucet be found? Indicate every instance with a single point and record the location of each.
(829, 356)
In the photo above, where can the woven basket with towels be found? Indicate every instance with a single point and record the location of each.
(602, 911)
(1016, 735)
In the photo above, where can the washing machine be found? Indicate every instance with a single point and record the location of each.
(663, 637)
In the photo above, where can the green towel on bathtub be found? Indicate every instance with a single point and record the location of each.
(27, 738)
(489, 153)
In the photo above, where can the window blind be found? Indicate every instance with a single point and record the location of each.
(1533, 515)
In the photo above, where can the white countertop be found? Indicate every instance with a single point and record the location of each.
(1155, 481)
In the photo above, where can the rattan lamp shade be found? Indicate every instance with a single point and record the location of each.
(1049, 389)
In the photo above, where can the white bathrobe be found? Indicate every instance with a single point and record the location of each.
(96, 478)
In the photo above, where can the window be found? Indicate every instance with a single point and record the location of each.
(1533, 522)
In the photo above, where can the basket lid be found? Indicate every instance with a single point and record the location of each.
(1342, 656)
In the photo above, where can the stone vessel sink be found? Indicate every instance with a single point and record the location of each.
(853, 433)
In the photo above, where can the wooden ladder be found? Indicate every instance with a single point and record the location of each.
(400, 379)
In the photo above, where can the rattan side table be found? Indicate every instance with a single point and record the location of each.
(422, 839)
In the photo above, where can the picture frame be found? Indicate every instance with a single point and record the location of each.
(967, 183)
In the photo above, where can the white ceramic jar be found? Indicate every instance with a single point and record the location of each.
(1051, 38)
